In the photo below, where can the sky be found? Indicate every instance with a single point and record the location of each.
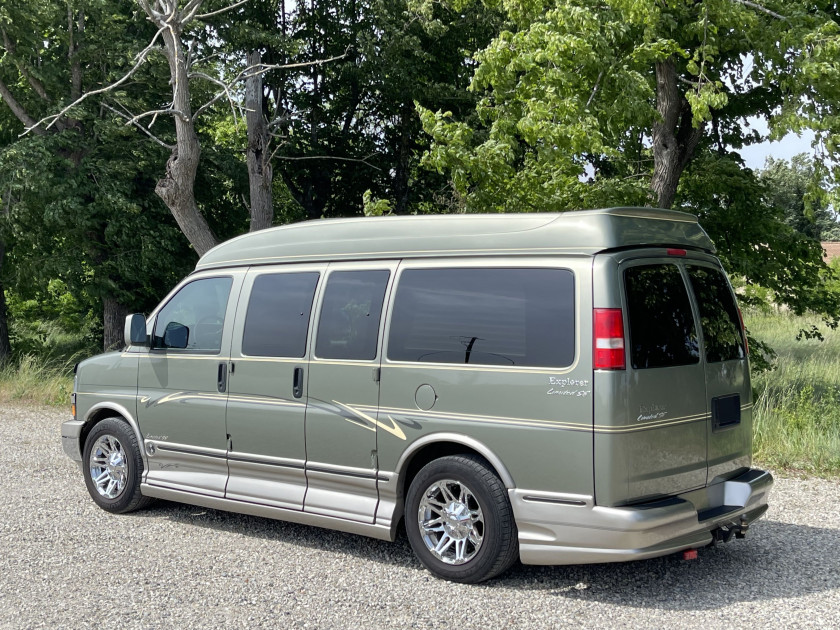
(785, 148)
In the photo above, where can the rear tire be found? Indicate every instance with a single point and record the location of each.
(459, 520)
(113, 467)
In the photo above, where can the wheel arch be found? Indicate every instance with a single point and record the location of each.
(436, 445)
(101, 411)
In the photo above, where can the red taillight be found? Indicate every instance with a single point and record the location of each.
(609, 339)
(677, 252)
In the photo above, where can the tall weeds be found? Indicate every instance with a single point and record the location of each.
(36, 381)
(797, 405)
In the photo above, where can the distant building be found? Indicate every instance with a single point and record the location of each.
(832, 249)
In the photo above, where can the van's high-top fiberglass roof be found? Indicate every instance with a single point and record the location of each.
(584, 232)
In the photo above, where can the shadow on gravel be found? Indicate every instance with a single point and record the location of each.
(396, 553)
(777, 560)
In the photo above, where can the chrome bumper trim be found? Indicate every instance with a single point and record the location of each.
(552, 533)
(71, 431)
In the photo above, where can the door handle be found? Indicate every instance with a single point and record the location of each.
(221, 383)
(297, 383)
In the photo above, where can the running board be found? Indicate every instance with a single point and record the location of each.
(281, 514)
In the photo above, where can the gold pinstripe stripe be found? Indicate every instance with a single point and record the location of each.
(554, 424)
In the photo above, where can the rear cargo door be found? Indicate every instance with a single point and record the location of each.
(665, 436)
(728, 391)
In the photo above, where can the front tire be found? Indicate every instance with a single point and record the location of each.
(113, 467)
(459, 520)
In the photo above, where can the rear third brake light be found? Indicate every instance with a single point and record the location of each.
(608, 339)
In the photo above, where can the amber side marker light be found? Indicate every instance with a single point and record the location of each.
(73, 404)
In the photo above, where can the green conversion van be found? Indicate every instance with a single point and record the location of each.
(554, 388)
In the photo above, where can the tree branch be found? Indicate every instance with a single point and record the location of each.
(363, 160)
(156, 112)
(132, 121)
(141, 58)
(189, 11)
(758, 7)
(250, 72)
(595, 88)
(217, 12)
(225, 92)
(263, 68)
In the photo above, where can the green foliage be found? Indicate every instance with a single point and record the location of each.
(754, 241)
(791, 188)
(375, 207)
(80, 210)
(797, 406)
(52, 325)
(37, 381)
(570, 96)
(348, 126)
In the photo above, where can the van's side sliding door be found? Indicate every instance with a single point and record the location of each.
(269, 369)
(343, 391)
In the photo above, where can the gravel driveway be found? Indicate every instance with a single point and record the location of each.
(66, 563)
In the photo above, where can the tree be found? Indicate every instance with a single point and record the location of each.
(76, 194)
(629, 90)
(641, 102)
(342, 128)
(790, 188)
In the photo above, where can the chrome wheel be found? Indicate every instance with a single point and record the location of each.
(108, 466)
(451, 522)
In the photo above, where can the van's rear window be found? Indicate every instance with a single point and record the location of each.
(484, 316)
(662, 330)
(722, 335)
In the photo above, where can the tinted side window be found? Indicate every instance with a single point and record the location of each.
(277, 319)
(195, 315)
(484, 316)
(662, 330)
(718, 315)
(350, 314)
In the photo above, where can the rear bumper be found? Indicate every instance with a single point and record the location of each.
(71, 431)
(568, 529)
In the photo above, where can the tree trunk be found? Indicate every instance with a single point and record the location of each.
(5, 344)
(258, 157)
(674, 137)
(403, 162)
(19, 112)
(76, 22)
(177, 187)
(113, 318)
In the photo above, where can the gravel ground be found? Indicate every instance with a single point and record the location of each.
(66, 563)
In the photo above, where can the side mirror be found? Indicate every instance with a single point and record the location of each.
(135, 330)
(176, 335)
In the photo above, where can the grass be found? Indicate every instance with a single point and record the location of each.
(797, 405)
(35, 381)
